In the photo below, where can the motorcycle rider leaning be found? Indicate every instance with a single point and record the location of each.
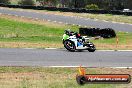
(68, 33)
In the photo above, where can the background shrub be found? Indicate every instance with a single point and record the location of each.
(92, 7)
(5, 1)
(26, 2)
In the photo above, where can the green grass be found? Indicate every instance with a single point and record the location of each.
(28, 32)
(38, 77)
(123, 37)
(17, 31)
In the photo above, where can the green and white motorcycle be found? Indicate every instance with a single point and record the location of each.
(73, 41)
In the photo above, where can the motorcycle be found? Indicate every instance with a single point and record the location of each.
(74, 41)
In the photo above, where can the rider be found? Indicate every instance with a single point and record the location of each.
(68, 33)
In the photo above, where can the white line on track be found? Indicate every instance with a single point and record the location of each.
(60, 22)
(105, 21)
(125, 50)
(9, 14)
(37, 12)
(73, 24)
(16, 15)
(55, 21)
(55, 14)
(122, 23)
(96, 50)
(22, 16)
(130, 24)
(95, 19)
(64, 66)
(21, 10)
(122, 67)
(36, 18)
(114, 22)
(116, 50)
(87, 67)
(87, 18)
(105, 50)
(28, 48)
(50, 48)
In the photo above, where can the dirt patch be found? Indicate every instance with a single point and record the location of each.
(17, 76)
(114, 46)
(59, 45)
(29, 45)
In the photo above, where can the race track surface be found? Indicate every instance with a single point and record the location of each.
(70, 20)
(61, 57)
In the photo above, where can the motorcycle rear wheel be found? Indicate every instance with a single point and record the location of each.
(91, 49)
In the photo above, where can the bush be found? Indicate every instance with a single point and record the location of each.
(26, 2)
(92, 7)
(5, 1)
(107, 33)
(93, 32)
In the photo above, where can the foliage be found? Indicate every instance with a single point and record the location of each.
(48, 2)
(102, 4)
(92, 6)
(26, 2)
(5, 1)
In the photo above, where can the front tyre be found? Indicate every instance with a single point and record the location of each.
(69, 45)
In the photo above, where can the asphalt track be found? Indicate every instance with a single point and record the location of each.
(61, 57)
(70, 20)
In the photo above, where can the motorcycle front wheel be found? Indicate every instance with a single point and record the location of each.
(69, 45)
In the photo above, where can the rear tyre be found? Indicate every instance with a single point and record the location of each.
(69, 45)
(91, 49)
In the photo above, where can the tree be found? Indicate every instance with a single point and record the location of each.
(5, 1)
(26, 2)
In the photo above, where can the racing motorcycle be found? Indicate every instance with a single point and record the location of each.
(74, 41)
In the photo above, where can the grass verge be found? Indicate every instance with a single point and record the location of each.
(38, 77)
(28, 31)
(16, 32)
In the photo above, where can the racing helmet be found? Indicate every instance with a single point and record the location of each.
(67, 31)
